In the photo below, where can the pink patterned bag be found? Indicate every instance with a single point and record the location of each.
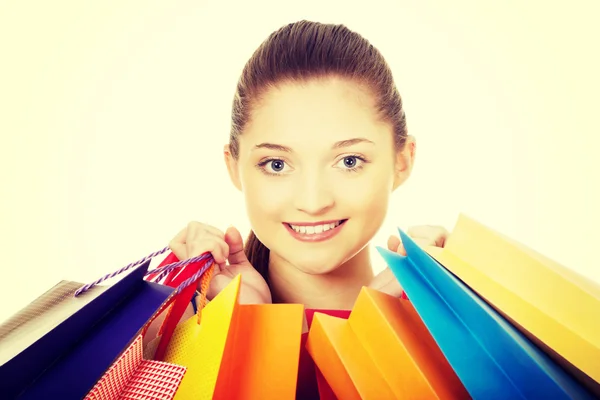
(132, 377)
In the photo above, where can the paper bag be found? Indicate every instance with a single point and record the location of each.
(238, 351)
(133, 377)
(490, 356)
(551, 303)
(311, 382)
(60, 339)
(181, 303)
(383, 351)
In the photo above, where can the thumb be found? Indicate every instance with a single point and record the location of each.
(234, 240)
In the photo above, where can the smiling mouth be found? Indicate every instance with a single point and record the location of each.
(314, 229)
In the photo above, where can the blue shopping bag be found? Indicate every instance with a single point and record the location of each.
(489, 355)
(61, 344)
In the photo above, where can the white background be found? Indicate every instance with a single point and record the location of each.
(113, 115)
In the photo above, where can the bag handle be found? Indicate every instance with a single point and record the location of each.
(159, 272)
(197, 272)
(201, 269)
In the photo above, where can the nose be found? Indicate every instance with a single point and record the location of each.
(314, 194)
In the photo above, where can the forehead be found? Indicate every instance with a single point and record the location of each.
(315, 114)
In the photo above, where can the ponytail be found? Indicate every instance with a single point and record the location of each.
(258, 255)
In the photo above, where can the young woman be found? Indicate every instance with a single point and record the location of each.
(318, 144)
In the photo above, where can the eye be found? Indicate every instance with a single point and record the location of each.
(276, 165)
(273, 166)
(351, 163)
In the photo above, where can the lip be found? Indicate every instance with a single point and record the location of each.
(315, 237)
(333, 221)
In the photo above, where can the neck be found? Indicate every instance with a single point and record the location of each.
(336, 290)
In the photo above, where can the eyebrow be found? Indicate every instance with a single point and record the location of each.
(336, 145)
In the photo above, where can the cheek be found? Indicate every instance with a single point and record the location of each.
(367, 196)
(265, 201)
(364, 196)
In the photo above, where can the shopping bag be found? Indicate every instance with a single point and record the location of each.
(234, 351)
(133, 377)
(382, 351)
(185, 275)
(61, 337)
(189, 273)
(490, 356)
(137, 374)
(311, 383)
(324, 389)
(553, 305)
(75, 332)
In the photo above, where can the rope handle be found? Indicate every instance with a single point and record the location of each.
(200, 275)
(161, 272)
(204, 284)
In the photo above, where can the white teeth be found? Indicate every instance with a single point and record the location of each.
(310, 230)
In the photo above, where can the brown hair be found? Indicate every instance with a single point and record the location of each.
(307, 50)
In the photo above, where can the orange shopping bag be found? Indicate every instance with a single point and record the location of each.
(383, 351)
(234, 351)
(554, 306)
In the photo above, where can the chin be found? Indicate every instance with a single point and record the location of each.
(314, 263)
(313, 268)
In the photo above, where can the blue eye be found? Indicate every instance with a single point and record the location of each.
(273, 166)
(350, 162)
(277, 165)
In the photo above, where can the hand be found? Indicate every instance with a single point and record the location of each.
(227, 250)
(423, 236)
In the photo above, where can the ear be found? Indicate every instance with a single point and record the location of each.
(405, 160)
(232, 167)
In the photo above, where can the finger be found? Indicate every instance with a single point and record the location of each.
(199, 237)
(208, 230)
(209, 244)
(424, 242)
(395, 244)
(438, 234)
(177, 245)
(236, 246)
(212, 230)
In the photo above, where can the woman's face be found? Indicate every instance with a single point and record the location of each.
(317, 169)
